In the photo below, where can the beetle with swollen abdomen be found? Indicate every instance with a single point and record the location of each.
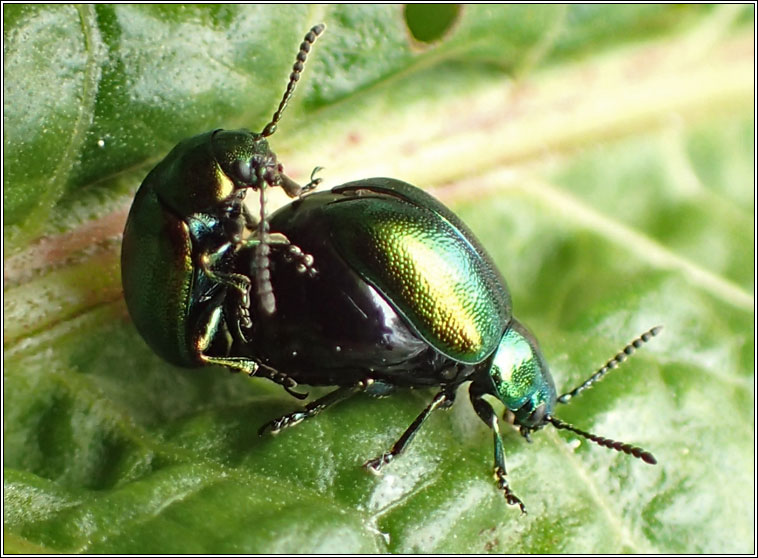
(405, 296)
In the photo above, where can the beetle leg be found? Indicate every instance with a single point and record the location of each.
(236, 280)
(237, 364)
(241, 305)
(211, 327)
(314, 182)
(213, 333)
(442, 400)
(379, 388)
(251, 223)
(487, 414)
(240, 284)
(293, 189)
(283, 380)
(290, 187)
(238, 318)
(312, 409)
(304, 262)
(274, 239)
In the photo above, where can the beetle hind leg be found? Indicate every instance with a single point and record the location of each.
(312, 409)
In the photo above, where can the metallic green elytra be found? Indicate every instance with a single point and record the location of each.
(443, 285)
(186, 223)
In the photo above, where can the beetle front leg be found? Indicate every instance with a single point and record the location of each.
(261, 263)
(251, 223)
(294, 254)
(293, 189)
(236, 364)
(488, 416)
(240, 284)
(443, 400)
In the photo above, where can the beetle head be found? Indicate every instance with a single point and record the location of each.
(523, 383)
(522, 379)
(246, 159)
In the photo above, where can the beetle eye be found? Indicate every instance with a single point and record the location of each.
(243, 171)
(233, 211)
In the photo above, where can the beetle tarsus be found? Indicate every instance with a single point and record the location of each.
(313, 408)
(375, 465)
(440, 401)
(305, 261)
(277, 425)
(293, 393)
(510, 497)
(314, 182)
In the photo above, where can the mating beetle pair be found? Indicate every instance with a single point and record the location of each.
(371, 286)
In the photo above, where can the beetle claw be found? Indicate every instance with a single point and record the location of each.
(296, 394)
(244, 317)
(510, 497)
(375, 465)
(314, 182)
(279, 424)
(285, 381)
(241, 318)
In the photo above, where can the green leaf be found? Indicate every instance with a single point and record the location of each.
(603, 155)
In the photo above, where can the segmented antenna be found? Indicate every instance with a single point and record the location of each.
(611, 364)
(629, 449)
(297, 68)
(620, 357)
(265, 291)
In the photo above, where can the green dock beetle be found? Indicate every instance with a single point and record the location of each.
(186, 222)
(378, 287)
(405, 296)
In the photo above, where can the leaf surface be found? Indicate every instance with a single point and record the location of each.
(602, 154)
